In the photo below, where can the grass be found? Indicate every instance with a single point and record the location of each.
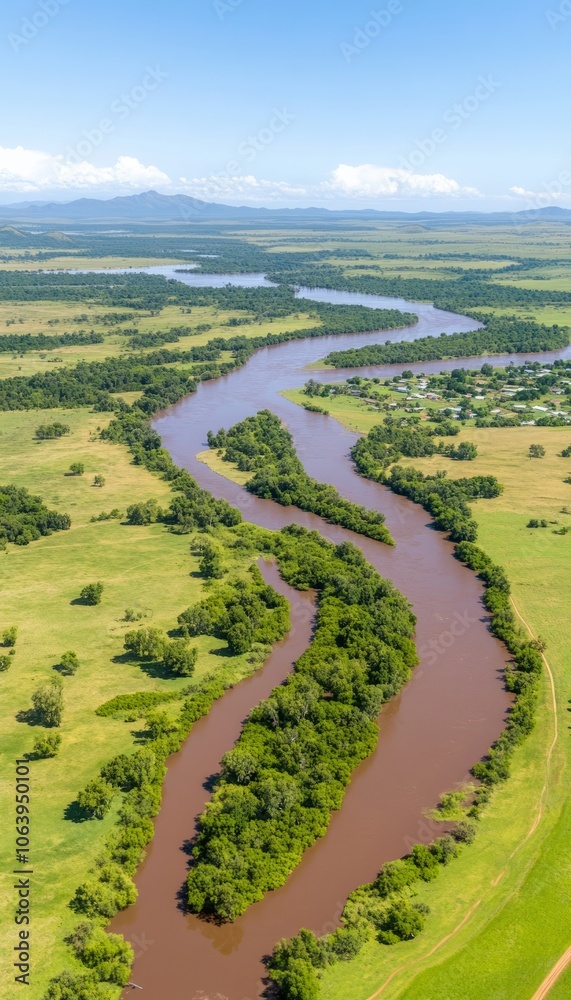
(36, 318)
(147, 568)
(521, 924)
(227, 469)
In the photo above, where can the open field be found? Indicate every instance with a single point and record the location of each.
(499, 950)
(26, 261)
(146, 568)
(53, 318)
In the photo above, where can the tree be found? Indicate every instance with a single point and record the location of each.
(68, 663)
(299, 982)
(143, 513)
(5, 663)
(146, 643)
(99, 480)
(402, 923)
(536, 451)
(465, 452)
(48, 431)
(77, 468)
(47, 745)
(48, 703)
(211, 562)
(487, 369)
(10, 635)
(73, 986)
(96, 798)
(159, 724)
(109, 955)
(180, 658)
(92, 593)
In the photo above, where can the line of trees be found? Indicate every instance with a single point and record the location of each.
(261, 445)
(501, 335)
(22, 343)
(295, 757)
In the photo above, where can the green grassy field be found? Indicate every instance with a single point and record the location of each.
(36, 318)
(146, 568)
(504, 936)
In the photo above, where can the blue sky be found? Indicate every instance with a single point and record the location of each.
(401, 104)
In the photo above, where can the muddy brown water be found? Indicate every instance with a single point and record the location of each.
(430, 735)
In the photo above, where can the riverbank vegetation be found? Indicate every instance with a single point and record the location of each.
(483, 896)
(289, 769)
(263, 446)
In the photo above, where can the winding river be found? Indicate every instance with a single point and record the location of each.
(430, 734)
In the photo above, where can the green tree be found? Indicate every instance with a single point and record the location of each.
(68, 663)
(5, 663)
(146, 643)
(109, 955)
(536, 451)
(48, 703)
(402, 923)
(92, 593)
(77, 468)
(299, 982)
(159, 724)
(211, 562)
(99, 480)
(46, 746)
(96, 798)
(180, 658)
(73, 986)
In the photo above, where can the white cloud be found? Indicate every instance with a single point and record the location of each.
(370, 181)
(553, 194)
(217, 187)
(30, 170)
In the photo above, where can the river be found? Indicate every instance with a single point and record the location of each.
(430, 734)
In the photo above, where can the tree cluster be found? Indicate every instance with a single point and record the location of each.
(263, 446)
(24, 518)
(295, 757)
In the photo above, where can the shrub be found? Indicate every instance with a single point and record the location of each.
(9, 636)
(92, 593)
(77, 468)
(69, 663)
(96, 798)
(46, 746)
(99, 480)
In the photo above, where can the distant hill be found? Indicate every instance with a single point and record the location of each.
(154, 207)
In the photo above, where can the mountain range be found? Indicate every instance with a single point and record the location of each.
(154, 207)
